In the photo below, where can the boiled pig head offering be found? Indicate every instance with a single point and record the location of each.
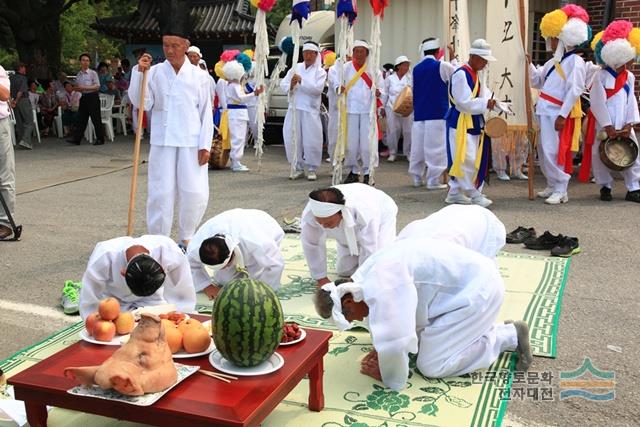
(142, 365)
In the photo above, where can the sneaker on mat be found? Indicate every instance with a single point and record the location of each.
(291, 225)
(520, 234)
(458, 199)
(71, 297)
(557, 198)
(545, 193)
(566, 247)
(543, 243)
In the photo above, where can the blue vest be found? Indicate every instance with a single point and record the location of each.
(430, 101)
(453, 113)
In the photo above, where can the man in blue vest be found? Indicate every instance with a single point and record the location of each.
(430, 104)
(468, 146)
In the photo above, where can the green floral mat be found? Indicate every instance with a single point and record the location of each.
(534, 293)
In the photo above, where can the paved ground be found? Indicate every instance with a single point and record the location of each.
(70, 197)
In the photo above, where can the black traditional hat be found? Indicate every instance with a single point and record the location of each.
(174, 18)
(144, 275)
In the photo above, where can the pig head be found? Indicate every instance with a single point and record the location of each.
(142, 365)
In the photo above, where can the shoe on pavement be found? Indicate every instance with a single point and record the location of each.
(296, 175)
(437, 187)
(502, 176)
(520, 234)
(391, 158)
(458, 199)
(71, 297)
(311, 176)
(417, 183)
(239, 168)
(25, 145)
(523, 349)
(520, 175)
(557, 198)
(566, 247)
(481, 200)
(365, 180)
(5, 232)
(633, 196)
(605, 194)
(351, 178)
(545, 193)
(543, 243)
(384, 153)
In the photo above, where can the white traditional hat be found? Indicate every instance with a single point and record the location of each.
(310, 47)
(481, 48)
(430, 45)
(194, 49)
(401, 59)
(233, 70)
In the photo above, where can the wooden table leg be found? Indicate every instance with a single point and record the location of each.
(316, 394)
(36, 414)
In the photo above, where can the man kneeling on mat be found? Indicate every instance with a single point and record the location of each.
(430, 297)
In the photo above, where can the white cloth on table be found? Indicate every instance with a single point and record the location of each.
(103, 277)
(258, 236)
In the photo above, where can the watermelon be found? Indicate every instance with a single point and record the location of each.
(247, 322)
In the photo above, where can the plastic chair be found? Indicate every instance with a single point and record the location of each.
(106, 112)
(12, 125)
(57, 120)
(120, 115)
(36, 128)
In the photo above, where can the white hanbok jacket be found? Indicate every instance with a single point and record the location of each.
(103, 277)
(617, 111)
(359, 96)
(374, 213)
(554, 85)
(258, 236)
(308, 93)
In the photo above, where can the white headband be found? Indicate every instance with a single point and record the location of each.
(429, 45)
(325, 210)
(361, 43)
(310, 47)
(336, 293)
(232, 244)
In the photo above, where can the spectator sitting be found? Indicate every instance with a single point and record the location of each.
(34, 96)
(48, 107)
(103, 75)
(121, 83)
(126, 70)
(58, 85)
(111, 90)
(70, 101)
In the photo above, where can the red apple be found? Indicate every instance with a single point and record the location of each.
(90, 322)
(109, 308)
(104, 330)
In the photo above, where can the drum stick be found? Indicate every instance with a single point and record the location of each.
(136, 157)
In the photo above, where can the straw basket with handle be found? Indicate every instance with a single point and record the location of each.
(404, 103)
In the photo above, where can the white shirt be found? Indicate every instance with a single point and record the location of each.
(359, 96)
(221, 93)
(258, 236)
(34, 98)
(566, 91)
(4, 82)
(411, 283)
(370, 208)
(619, 110)
(333, 83)
(103, 277)
(394, 85)
(308, 93)
(236, 95)
(461, 93)
(180, 104)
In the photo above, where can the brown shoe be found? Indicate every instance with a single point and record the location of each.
(5, 232)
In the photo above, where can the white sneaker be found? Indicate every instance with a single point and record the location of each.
(520, 175)
(458, 199)
(296, 175)
(239, 168)
(417, 183)
(557, 198)
(328, 160)
(391, 158)
(502, 176)
(545, 193)
(437, 187)
(311, 176)
(481, 200)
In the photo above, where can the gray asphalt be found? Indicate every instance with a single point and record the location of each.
(70, 197)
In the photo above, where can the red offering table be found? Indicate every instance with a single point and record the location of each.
(197, 401)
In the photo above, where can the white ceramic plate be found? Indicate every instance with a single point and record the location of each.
(117, 340)
(302, 336)
(272, 364)
(184, 355)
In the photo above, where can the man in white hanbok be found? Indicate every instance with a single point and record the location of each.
(472, 227)
(138, 272)
(237, 239)
(360, 218)
(398, 125)
(178, 98)
(430, 297)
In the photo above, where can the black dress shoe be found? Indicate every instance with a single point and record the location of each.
(566, 247)
(73, 141)
(351, 178)
(633, 196)
(520, 234)
(545, 242)
(605, 194)
(365, 180)
(99, 142)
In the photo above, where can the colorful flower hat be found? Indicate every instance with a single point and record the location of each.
(569, 24)
(328, 58)
(618, 44)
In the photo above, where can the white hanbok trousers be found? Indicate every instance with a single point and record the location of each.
(238, 131)
(176, 176)
(428, 150)
(602, 174)
(332, 131)
(548, 146)
(465, 183)
(253, 123)
(358, 147)
(308, 138)
(396, 126)
(465, 340)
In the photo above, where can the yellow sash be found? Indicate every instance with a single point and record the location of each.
(224, 130)
(465, 121)
(576, 113)
(340, 148)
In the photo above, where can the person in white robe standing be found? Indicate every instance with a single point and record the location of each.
(398, 125)
(305, 83)
(138, 272)
(472, 227)
(360, 218)
(252, 104)
(332, 66)
(430, 297)
(237, 239)
(179, 99)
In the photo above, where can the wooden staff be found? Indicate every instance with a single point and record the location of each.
(136, 156)
(527, 97)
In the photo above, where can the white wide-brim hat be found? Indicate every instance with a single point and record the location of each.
(400, 60)
(481, 48)
(194, 49)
